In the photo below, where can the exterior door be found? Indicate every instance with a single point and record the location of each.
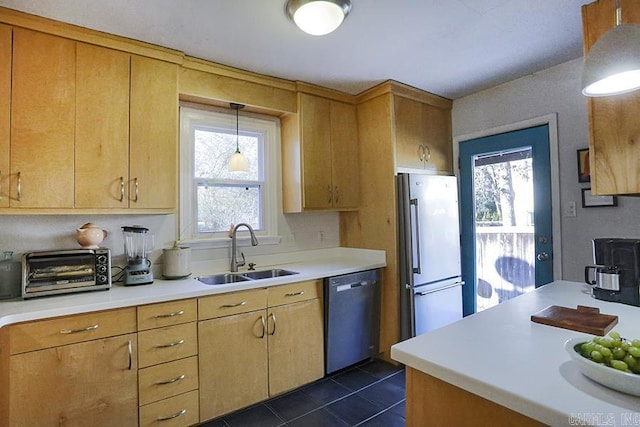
(506, 216)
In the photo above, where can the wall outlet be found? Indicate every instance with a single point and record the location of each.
(570, 209)
(321, 236)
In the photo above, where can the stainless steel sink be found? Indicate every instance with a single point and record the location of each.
(222, 279)
(226, 278)
(268, 274)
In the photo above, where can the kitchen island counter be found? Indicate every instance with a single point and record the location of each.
(310, 265)
(506, 359)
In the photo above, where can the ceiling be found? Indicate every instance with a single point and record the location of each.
(448, 47)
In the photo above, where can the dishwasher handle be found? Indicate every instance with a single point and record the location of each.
(354, 285)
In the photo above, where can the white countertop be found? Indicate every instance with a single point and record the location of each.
(501, 355)
(310, 265)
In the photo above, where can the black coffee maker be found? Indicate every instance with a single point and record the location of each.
(616, 275)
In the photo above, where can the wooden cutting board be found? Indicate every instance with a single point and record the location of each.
(582, 319)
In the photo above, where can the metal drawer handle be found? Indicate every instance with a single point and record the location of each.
(240, 304)
(293, 294)
(170, 417)
(174, 314)
(173, 344)
(172, 380)
(75, 331)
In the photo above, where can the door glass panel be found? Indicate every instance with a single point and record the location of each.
(504, 225)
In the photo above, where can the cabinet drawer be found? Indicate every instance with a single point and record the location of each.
(167, 314)
(232, 303)
(70, 329)
(166, 344)
(181, 410)
(301, 291)
(167, 380)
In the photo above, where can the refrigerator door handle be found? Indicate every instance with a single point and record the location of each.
(418, 269)
(453, 285)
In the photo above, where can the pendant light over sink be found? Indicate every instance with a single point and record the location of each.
(612, 65)
(317, 17)
(237, 163)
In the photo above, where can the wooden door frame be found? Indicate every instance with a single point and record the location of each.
(551, 120)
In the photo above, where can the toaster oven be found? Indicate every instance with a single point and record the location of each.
(65, 271)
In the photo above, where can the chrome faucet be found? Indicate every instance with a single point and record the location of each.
(254, 242)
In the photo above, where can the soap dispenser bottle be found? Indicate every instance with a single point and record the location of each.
(10, 277)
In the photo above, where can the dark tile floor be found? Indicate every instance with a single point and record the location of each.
(370, 394)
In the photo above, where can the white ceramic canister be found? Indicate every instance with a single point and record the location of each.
(176, 262)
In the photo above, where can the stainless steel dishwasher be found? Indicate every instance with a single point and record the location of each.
(352, 319)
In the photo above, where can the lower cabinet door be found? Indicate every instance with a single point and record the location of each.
(181, 410)
(296, 349)
(232, 361)
(93, 383)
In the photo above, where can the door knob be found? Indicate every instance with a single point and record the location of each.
(542, 256)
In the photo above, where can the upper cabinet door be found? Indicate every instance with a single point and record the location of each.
(613, 120)
(5, 112)
(315, 133)
(345, 165)
(102, 127)
(153, 151)
(423, 136)
(42, 120)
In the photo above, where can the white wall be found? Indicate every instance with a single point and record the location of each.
(554, 90)
(27, 233)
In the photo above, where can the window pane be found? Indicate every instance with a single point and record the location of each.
(221, 205)
(213, 149)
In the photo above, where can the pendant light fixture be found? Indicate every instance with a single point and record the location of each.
(317, 17)
(612, 65)
(237, 163)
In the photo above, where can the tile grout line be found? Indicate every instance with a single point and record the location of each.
(349, 395)
(380, 413)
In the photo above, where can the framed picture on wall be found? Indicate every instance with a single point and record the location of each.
(584, 171)
(591, 201)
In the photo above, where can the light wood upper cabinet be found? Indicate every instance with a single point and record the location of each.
(102, 127)
(320, 156)
(423, 136)
(614, 129)
(5, 111)
(153, 157)
(90, 127)
(42, 120)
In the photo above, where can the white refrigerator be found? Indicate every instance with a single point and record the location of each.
(429, 253)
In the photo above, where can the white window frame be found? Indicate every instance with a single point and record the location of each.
(194, 116)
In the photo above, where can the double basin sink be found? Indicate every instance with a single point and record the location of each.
(226, 278)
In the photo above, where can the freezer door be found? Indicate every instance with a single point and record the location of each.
(436, 307)
(435, 228)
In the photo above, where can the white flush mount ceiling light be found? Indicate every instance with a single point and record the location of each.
(317, 17)
(612, 66)
(237, 163)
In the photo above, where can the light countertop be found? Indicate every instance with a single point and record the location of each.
(311, 265)
(501, 355)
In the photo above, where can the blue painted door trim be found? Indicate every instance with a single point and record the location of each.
(538, 139)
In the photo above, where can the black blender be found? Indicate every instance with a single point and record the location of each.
(138, 242)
